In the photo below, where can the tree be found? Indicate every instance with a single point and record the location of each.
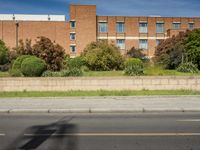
(4, 53)
(24, 48)
(171, 52)
(192, 46)
(136, 53)
(102, 56)
(44, 48)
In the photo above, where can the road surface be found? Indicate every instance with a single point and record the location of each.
(136, 131)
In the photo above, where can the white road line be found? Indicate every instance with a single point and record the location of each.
(189, 120)
(118, 134)
(2, 134)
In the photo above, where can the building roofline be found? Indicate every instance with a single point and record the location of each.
(150, 16)
(72, 4)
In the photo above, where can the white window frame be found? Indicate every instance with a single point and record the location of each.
(72, 21)
(120, 44)
(71, 35)
(122, 27)
(142, 44)
(193, 24)
(160, 29)
(71, 50)
(104, 27)
(158, 42)
(143, 29)
(176, 27)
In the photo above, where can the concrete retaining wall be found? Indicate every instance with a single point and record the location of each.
(98, 83)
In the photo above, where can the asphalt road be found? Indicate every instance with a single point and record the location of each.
(166, 131)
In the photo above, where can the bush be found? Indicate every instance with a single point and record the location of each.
(18, 62)
(85, 69)
(4, 67)
(72, 72)
(33, 67)
(134, 66)
(15, 73)
(44, 48)
(136, 53)
(193, 47)
(188, 67)
(49, 73)
(76, 62)
(171, 52)
(101, 56)
(4, 54)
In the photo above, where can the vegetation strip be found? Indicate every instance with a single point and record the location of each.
(100, 93)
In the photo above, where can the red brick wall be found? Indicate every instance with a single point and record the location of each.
(85, 17)
(56, 31)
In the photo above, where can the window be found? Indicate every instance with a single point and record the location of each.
(121, 43)
(72, 36)
(103, 27)
(72, 24)
(120, 27)
(72, 48)
(158, 42)
(191, 26)
(159, 27)
(176, 25)
(143, 27)
(143, 44)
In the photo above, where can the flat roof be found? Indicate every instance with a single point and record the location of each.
(30, 17)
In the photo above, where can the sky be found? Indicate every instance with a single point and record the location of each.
(187, 8)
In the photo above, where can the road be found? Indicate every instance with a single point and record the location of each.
(136, 131)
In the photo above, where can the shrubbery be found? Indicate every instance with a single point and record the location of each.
(33, 67)
(28, 66)
(192, 46)
(44, 48)
(4, 57)
(15, 73)
(18, 62)
(76, 62)
(188, 67)
(101, 56)
(134, 66)
(64, 73)
(171, 52)
(136, 53)
(75, 72)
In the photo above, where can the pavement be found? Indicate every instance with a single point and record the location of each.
(101, 104)
(134, 131)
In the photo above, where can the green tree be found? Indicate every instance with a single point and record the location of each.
(53, 54)
(4, 53)
(33, 66)
(136, 53)
(171, 52)
(101, 56)
(192, 46)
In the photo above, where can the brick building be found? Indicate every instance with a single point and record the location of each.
(85, 26)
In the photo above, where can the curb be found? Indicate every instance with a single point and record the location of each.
(98, 110)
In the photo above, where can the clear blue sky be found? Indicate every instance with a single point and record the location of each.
(105, 7)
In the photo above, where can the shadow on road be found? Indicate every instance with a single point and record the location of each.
(54, 136)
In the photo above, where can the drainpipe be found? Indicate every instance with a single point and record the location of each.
(17, 32)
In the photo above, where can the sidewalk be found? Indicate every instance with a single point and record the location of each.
(101, 104)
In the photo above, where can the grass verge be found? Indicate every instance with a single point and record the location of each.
(99, 93)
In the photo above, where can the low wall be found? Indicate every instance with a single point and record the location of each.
(100, 83)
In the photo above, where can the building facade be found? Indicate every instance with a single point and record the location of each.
(85, 26)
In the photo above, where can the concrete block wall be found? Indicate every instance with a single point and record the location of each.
(100, 83)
